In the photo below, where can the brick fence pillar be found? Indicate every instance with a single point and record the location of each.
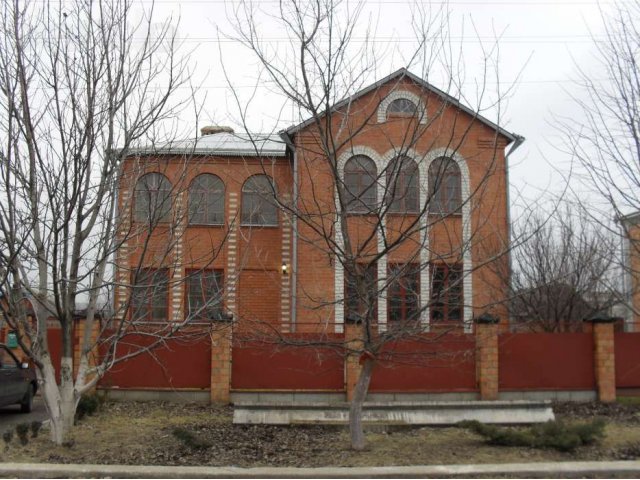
(604, 353)
(221, 364)
(80, 326)
(487, 356)
(353, 340)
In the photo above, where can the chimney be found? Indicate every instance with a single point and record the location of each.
(213, 129)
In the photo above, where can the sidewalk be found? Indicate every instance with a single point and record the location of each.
(622, 469)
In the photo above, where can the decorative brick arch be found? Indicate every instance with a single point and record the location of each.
(467, 264)
(382, 263)
(424, 162)
(397, 94)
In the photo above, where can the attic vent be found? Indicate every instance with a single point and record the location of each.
(491, 142)
(213, 129)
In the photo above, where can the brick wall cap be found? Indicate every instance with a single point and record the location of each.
(601, 318)
(486, 319)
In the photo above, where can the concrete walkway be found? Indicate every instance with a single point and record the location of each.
(621, 469)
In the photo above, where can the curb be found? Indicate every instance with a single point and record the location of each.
(562, 469)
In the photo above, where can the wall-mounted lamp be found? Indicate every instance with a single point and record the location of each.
(285, 269)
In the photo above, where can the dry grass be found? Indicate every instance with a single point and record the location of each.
(143, 433)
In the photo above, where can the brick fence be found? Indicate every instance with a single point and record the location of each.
(486, 363)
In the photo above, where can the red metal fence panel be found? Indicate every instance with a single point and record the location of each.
(434, 364)
(54, 340)
(627, 347)
(261, 366)
(546, 361)
(179, 364)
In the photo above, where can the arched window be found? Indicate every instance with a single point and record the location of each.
(403, 179)
(258, 203)
(360, 184)
(206, 200)
(445, 186)
(153, 199)
(402, 106)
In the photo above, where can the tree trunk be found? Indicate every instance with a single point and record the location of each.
(59, 400)
(355, 409)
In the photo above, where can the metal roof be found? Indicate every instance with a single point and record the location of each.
(403, 72)
(223, 144)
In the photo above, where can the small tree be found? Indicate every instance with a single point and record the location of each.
(82, 85)
(359, 214)
(564, 271)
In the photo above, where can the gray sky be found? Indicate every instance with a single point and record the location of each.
(540, 41)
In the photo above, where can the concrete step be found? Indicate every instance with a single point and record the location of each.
(394, 413)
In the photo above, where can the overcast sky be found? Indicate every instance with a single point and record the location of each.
(541, 41)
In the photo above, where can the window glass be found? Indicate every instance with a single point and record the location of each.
(446, 293)
(153, 199)
(404, 293)
(204, 294)
(360, 183)
(403, 179)
(258, 203)
(445, 187)
(402, 106)
(150, 296)
(357, 302)
(206, 200)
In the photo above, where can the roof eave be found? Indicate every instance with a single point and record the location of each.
(512, 137)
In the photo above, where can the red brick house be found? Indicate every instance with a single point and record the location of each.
(242, 227)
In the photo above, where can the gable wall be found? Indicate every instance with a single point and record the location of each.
(446, 127)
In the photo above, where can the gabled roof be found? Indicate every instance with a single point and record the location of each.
(403, 72)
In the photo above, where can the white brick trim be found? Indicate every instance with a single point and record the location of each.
(397, 94)
(424, 162)
(467, 263)
(231, 277)
(382, 263)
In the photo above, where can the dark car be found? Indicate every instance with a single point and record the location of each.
(18, 383)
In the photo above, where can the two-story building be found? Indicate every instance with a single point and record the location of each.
(400, 186)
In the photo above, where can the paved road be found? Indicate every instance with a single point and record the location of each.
(10, 416)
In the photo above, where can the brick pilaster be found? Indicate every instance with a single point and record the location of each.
(285, 278)
(487, 356)
(353, 340)
(231, 275)
(221, 364)
(604, 361)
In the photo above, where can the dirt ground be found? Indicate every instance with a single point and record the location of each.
(144, 433)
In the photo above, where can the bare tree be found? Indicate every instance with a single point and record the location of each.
(564, 270)
(398, 223)
(604, 138)
(84, 85)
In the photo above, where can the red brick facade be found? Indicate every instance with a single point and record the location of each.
(261, 290)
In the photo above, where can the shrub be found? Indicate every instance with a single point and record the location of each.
(35, 428)
(189, 439)
(7, 436)
(89, 404)
(22, 429)
(552, 434)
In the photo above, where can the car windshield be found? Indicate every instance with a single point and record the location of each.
(6, 359)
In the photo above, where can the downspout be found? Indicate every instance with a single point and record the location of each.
(518, 140)
(294, 229)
